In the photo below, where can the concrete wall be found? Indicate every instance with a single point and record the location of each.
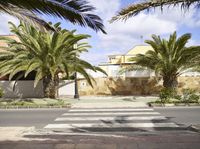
(66, 88)
(23, 89)
(133, 86)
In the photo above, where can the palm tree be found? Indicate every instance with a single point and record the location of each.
(136, 8)
(168, 59)
(46, 53)
(75, 11)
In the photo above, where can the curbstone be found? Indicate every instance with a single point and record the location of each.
(33, 107)
(171, 105)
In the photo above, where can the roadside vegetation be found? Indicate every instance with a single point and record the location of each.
(34, 103)
(169, 96)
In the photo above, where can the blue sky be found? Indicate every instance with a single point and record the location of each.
(123, 36)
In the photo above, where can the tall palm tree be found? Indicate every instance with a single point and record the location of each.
(168, 59)
(136, 8)
(75, 11)
(46, 53)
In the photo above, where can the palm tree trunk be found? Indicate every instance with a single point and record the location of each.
(50, 86)
(170, 82)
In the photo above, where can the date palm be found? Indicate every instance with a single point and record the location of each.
(75, 11)
(136, 8)
(46, 53)
(168, 59)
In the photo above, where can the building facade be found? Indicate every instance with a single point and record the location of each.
(117, 62)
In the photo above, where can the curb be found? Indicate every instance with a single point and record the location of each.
(33, 107)
(171, 105)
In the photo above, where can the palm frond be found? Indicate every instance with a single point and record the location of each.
(136, 8)
(76, 11)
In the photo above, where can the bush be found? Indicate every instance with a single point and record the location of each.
(189, 96)
(1, 93)
(166, 94)
(178, 97)
(194, 98)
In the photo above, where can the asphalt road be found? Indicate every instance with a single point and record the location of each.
(28, 117)
(181, 115)
(41, 117)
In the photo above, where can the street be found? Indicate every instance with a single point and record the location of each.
(100, 128)
(181, 115)
(28, 117)
(39, 118)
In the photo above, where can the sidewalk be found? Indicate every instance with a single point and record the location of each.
(186, 140)
(111, 101)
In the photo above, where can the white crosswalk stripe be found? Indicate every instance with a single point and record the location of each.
(110, 118)
(100, 110)
(113, 113)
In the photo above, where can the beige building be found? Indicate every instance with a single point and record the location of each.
(124, 59)
(117, 62)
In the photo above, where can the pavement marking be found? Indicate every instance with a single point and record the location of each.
(102, 125)
(111, 113)
(102, 110)
(111, 118)
(80, 119)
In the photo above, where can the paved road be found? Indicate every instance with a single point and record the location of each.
(28, 118)
(181, 115)
(125, 120)
(92, 120)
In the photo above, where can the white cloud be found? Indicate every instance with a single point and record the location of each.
(106, 8)
(4, 19)
(193, 42)
(125, 35)
(177, 15)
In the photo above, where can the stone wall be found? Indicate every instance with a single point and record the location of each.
(132, 86)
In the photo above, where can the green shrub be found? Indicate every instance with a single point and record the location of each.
(194, 98)
(58, 103)
(166, 94)
(189, 96)
(178, 97)
(20, 103)
(1, 93)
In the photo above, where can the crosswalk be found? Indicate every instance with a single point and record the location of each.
(111, 120)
